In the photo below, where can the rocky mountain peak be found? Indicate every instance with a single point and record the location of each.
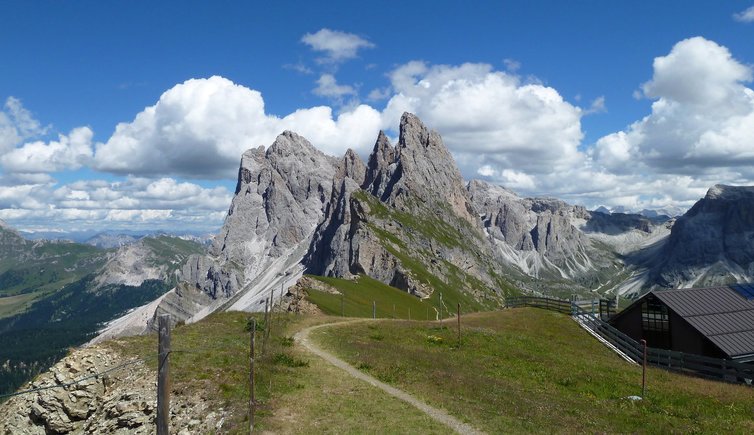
(353, 167)
(413, 132)
(712, 242)
(379, 169)
(290, 143)
(730, 193)
(425, 170)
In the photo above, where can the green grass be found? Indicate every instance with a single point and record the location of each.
(425, 228)
(40, 269)
(359, 294)
(428, 224)
(295, 392)
(47, 266)
(529, 370)
(11, 305)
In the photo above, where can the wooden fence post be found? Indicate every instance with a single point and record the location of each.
(644, 370)
(252, 339)
(374, 309)
(272, 309)
(440, 295)
(163, 375)
(266, 324)
(458, 314)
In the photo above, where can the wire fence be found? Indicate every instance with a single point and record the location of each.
(696, 365)
(75, 382)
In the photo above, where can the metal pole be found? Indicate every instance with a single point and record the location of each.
(163, 375)
(644, 370)
(374, 309)
(252, 339)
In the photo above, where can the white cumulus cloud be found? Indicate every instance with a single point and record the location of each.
(336, 45)
(17, 124)
(134, 203)
(479, 110)
(70, 151)
(200, 128)
(745, 16)
(328, 87)
(702, 118)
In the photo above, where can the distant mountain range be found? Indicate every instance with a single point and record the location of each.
(110, 239)
(653, 213)
(407, 218)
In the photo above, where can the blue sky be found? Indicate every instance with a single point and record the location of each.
(548, 98)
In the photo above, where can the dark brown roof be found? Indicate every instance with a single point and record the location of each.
(722, 314)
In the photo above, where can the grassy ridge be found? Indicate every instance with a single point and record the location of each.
(295, 392)
(529, 370)
(358, 296)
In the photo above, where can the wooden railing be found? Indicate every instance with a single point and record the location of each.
(698, 365)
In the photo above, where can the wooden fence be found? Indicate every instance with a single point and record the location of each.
(698, 365)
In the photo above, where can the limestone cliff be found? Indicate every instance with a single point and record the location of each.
(712, 244)
(408, 218)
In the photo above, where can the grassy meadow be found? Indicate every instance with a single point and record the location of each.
(529, 370)
(515, 371)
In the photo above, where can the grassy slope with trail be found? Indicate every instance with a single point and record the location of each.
(529, 370)
(523, 370)
(296, 392)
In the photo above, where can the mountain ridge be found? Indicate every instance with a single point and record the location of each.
(407, 218)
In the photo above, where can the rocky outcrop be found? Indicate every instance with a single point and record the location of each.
(121, 401)
(132, 264)
(536, 234)
(280, 198)
(419, 168)
(409, 216)
(712, 244)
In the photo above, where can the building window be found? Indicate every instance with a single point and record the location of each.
(655, 322)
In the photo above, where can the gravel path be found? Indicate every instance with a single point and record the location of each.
(441, 416)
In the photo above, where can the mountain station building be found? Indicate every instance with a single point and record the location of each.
(717, 321)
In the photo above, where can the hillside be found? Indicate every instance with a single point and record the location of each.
(521, 370)
(711, 244)
(64, 292)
